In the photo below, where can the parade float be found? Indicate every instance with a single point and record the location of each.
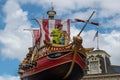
(48, 61)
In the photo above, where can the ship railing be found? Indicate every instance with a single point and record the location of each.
(50, 48)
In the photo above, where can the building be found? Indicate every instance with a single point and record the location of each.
(99, 67)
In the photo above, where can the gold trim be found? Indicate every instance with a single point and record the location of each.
(72, 65)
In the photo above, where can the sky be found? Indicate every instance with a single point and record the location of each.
(17, 15)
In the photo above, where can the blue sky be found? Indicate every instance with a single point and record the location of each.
(16, 15)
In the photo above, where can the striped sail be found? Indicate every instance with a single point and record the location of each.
(46, 26)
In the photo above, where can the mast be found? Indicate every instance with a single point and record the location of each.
(97, 39)
(51, 13)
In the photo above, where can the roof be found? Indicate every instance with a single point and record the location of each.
(99, 51)
(116, 68)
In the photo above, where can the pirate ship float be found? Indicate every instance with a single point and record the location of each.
(48, 61)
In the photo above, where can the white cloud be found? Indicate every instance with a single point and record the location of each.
(75, 8)
(112, 23)
(14, 39)
(9, 77)
(109, 7)
(111, 44)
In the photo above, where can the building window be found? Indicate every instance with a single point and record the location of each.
(94, 67)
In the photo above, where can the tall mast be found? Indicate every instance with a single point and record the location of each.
(51, 13)
(97, 39)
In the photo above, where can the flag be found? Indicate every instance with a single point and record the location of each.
(96, 35)
(36, 36)
(46, 26)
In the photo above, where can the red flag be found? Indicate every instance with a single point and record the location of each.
(36, 34)
(96, 35)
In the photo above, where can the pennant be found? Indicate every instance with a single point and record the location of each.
(36, 35)
(96, 35)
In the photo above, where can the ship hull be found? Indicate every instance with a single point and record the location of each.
(56, 67)
(57, 73)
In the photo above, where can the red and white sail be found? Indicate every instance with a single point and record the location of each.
(46, 26)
